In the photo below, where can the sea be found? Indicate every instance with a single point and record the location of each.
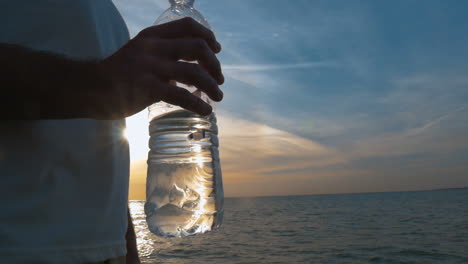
(395, 227)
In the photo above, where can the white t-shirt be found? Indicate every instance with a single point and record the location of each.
(63, 183)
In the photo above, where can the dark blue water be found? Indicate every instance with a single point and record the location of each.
(407, 227)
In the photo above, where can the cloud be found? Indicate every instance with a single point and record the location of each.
(440, 136)
(284, 66)
(435, 121)
(252, 150)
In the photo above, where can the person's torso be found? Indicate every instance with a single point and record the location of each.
(64, 183)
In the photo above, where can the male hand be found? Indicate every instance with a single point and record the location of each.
(142, 72)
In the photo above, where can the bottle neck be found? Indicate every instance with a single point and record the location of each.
(182, 2)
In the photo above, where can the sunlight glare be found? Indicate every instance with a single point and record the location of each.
(137, 135)
(125, 134)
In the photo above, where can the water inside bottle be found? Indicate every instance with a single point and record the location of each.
(184, 188)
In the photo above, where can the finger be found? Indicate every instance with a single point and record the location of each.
(147, 94)
(193, 49)
(193, 74)
(183, 28)
(181, 97)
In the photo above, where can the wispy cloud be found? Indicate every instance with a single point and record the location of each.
(283, 66)
(435, 121)
(254, 148)
(439, 137)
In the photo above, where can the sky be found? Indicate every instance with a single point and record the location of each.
(331, 96)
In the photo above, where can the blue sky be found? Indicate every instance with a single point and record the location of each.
(333, 96)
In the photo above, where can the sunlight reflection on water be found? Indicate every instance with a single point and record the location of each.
(412, 227)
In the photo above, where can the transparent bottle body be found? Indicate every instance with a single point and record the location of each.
(184, 190)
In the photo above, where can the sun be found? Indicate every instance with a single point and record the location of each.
(125, 134)
(136, 133)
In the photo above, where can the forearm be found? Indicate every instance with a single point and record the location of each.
(40, 85)
(132, 249)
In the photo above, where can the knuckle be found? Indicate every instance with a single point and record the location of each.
(145, 32)
(141, 33)
(189, 22)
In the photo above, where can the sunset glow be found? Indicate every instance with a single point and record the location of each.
(346, 97)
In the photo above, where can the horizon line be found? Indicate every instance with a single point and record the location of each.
(318, 194)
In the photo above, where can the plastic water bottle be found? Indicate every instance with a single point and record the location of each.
(184, 189)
